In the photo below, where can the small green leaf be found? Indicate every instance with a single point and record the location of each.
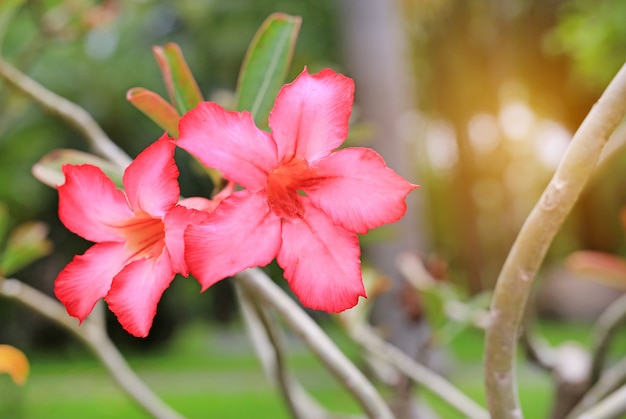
(4, 222)
(27, 243)
(265, 66)
(48, 169)
(7, 10)
(180, 83)
(155, 108)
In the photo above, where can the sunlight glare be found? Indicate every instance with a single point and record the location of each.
(441, 146)
(551, 142)
(517, 120)
(483, 133)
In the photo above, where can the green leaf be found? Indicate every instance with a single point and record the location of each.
(265, 66)
(48, 169)
(27, 243)
(7, 10)
(180, 83)
(156, 108)
(4, 222)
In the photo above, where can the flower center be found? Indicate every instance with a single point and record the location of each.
(145, 236)
(285, 187)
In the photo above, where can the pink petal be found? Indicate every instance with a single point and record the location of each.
(176, 221)
(310, 116)
(358, 191)
(208, 205)
(230, 142)
(88, 277)
(90, 205)
(136, 291)
(198, 203)
(151, 180)
(241, 233)
(321, 262)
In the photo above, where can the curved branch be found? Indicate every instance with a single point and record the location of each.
(609, 381)
(67, 111)
(268, 342)
(516, 278)
(368, 340)
(607, 325)
(614, 406)
(257, 283)
(95, 339)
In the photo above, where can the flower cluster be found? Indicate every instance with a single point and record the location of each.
(303, 202)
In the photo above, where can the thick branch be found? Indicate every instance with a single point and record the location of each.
(519, 270)
(68, 111)
(257, 283)
(95, 339)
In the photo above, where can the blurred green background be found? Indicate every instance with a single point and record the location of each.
(499, 89)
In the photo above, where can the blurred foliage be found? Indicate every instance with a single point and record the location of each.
(21, 246)
(593, 34)
(470, 58)
(92, 52)
(14, 362)
(486, 71)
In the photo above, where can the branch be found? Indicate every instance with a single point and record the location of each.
(519, 270)
(602, 382)
(256, 283)
(368, 340)
(68, 111)
(607, 325)
(609, 381)
(268, 343)
(95, 339)
(611, 407)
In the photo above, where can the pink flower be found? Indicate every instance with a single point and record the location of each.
(138, 234)
(304, 203)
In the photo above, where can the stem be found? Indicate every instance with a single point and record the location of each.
(96, 340)
(602, 382)
(364, 336)
(607, 326)
(519, 270)
(609, 381)
(611, 407)
(68, 111)
(269, 344)
(256, 283)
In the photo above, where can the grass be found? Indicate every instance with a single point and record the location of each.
(213, 373)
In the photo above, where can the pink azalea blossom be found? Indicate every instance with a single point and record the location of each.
(304, 203)
(138, 234)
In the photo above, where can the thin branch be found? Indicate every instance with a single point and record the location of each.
(257, 283)
(538, 350)
(372, 343)
(268, 343)
(603, 381)
(519, 270)
(611, 379)
(95, 339)
(613, 407)
(67, 111)
(605, 329)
